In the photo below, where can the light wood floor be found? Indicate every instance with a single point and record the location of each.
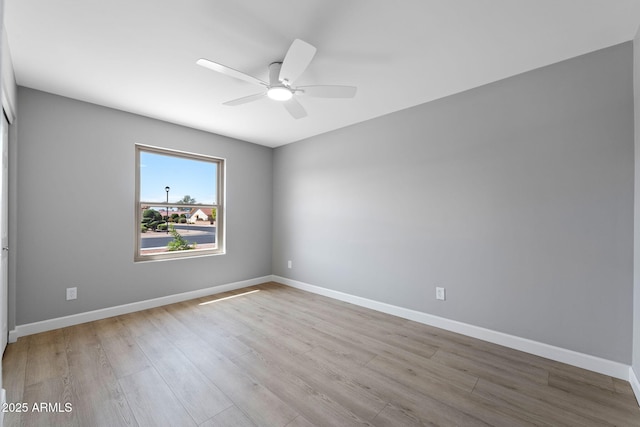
(283, 357)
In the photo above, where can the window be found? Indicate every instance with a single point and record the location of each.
(179, 204)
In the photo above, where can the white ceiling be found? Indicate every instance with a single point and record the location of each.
(139, 56)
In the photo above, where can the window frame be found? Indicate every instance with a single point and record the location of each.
(219, 207)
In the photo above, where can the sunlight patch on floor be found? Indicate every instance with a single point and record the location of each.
(232, 296)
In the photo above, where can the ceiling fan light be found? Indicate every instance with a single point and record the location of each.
(279, 93)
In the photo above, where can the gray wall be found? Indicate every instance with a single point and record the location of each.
(516, 196)
(75, 204)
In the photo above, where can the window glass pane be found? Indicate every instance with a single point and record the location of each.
(188, 229)
(189, 180)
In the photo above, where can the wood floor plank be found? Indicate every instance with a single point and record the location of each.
(49, 391)
(386, 391)
(594, 394)
(424, 375)
(300, 422)
(357, 400)
(14, 366)
(353, 334)
(452, 395)
(101, 404)
(254, 319)
(216, 314)
(206, 330)
(539, 410)
(230, 417)
(124, 354)
(304, 297)
(137, 323)
(582, 376)
(380, 326)
(166, 323)
(373, 335)
(259, 403)
(411, 402)
(474, 347)
(46, 359)
(316, 407)
(314, 334)
(503, 374)
(456, 350)
(46, 337)
(599, 410)
(152, 401)
(88, 363)
(198, 395)
(623, 387)
(79, 335)
(97, 396)
(391, 416)
(110, 327)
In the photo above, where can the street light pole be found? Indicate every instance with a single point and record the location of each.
(167, 190)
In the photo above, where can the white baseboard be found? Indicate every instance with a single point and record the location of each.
(635, 384)
(89, 316)
(559, 354)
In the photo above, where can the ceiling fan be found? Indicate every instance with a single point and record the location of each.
(282, 75)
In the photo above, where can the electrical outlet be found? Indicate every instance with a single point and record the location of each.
(440, 294)
(289, 264)
(72, 293)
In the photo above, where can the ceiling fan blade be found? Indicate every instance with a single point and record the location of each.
(296, 60)
(244, 99)
(229, 71)
(329, 91)
(294, 108)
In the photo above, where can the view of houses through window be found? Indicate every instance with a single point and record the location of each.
(179, 209)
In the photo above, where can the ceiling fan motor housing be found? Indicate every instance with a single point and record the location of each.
(278, 90)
